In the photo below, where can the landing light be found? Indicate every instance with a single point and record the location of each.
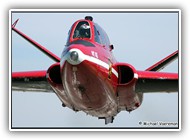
(74, 56)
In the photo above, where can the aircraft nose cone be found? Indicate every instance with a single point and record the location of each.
(74, 56)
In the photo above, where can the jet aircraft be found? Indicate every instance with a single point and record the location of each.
(88, 78)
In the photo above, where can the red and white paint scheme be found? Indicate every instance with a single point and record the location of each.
(88, 78)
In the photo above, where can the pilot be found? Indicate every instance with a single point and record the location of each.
(84, 31)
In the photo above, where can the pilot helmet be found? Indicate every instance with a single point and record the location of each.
(84, 26)
(84, 30)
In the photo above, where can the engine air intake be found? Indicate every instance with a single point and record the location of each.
(126, 73)
(54, 74)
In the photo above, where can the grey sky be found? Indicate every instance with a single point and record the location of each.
(140, 39)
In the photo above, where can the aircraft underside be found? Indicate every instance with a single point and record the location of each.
(86, 87)
(88, 90)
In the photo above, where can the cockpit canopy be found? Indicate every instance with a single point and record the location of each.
(82, 30)
(87, 31)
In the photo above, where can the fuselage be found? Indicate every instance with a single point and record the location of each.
(88, 81)
(90, 75)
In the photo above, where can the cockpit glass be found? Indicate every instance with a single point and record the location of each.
(82, 30)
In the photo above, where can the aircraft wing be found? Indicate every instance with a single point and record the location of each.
(30, 81)
(164, 62)
(149, 81)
